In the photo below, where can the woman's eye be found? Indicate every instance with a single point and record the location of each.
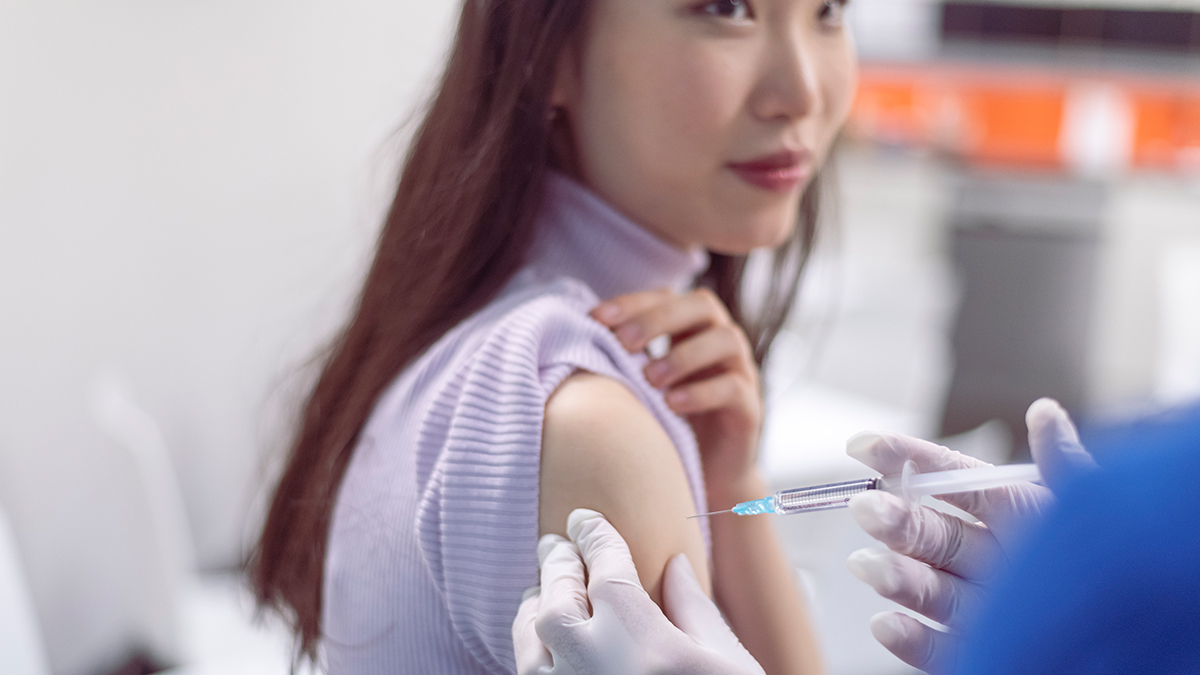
(735, 10)
(833, 13)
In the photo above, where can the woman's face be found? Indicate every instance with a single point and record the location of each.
(705, 120)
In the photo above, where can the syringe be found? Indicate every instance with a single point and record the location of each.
(908, 484)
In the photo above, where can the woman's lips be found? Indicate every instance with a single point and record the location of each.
(778, 172)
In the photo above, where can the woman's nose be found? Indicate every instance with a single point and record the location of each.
(788, 88)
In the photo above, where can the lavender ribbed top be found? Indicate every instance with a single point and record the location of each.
(435, 528)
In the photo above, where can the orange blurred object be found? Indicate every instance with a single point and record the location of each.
(1014, 124)
(1012, 117)
(1167, 129)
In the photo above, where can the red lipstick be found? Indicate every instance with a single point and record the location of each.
(777, 172)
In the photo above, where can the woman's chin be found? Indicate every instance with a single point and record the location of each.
(752, 238)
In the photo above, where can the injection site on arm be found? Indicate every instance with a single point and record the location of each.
(603, 450)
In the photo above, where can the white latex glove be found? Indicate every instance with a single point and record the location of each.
(940, 565)
(624, 632)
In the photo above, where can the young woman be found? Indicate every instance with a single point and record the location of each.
(590, 175)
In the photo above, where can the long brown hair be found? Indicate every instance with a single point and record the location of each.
(459, 227)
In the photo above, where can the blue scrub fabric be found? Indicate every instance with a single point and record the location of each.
(1110, 582)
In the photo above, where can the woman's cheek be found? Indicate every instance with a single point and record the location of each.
(686, 100)
(706, 100)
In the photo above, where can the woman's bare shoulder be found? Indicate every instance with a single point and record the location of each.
(603, 449)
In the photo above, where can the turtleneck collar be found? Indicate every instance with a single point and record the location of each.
(581, 236)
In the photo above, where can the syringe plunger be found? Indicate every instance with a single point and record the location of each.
(908, 484)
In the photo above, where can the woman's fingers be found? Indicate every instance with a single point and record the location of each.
(622, 308)
(710, 364)
(722, 347)
(638, 318)
(728, 391)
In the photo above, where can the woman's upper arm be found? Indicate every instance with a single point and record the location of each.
(603, 450)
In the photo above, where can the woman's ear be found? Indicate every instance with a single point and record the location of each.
(565, 91)
(564, 99)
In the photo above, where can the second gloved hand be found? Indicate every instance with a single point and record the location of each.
(624, 632)
(939, 565)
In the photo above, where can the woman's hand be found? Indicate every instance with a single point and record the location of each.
(708, 375)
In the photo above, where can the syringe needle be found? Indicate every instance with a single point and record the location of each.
(710, 513)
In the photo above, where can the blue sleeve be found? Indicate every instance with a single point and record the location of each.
(1110, 582)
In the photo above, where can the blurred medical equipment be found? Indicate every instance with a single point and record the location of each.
(166, 576)
(201, 625)
(908, 484)
(1024, 246)
(21, 647)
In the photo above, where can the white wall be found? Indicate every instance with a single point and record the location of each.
(897, 29)
(188, 193)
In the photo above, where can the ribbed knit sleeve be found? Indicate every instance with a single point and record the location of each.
(480, 444)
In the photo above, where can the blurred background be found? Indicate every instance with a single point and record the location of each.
(189, 194)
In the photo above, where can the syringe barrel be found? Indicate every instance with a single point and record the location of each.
(820, 497)
(959, 480)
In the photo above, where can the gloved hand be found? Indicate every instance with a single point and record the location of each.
(940, 565)
(624, 632)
